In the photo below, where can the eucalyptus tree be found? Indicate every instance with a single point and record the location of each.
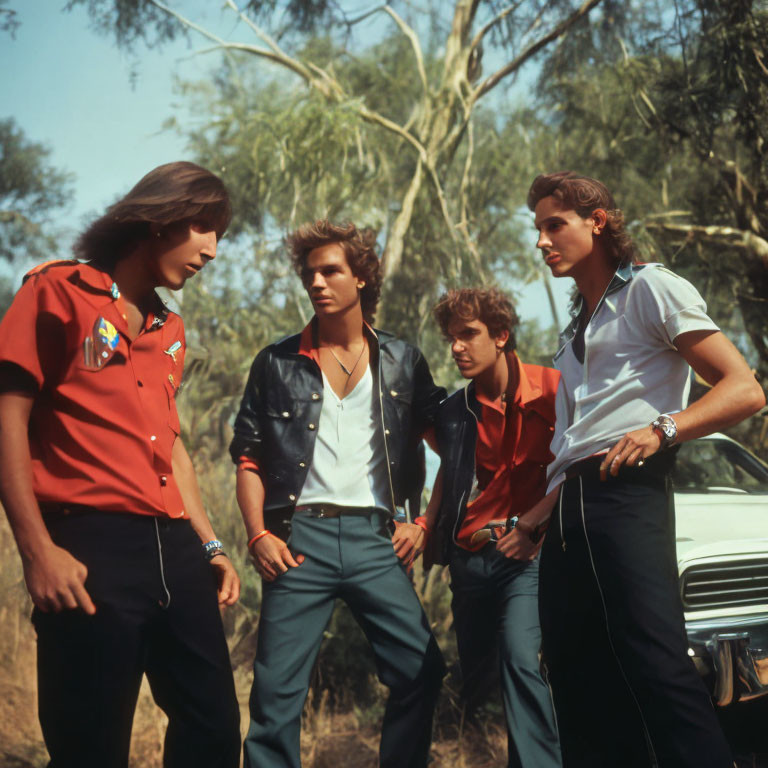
(450, 59)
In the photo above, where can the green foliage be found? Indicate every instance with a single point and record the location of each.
(30, 190)
(8, 21)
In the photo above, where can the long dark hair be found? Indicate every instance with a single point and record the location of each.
(584, 194)
(170, 196)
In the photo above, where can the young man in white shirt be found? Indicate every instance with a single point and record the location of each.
(328, 446)
(625, 691)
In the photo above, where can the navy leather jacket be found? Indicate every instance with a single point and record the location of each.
(279, 413)
(456, 435)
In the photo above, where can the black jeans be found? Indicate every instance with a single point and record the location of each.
(613, 634)
(157, 613)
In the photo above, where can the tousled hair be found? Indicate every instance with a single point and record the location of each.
(170, 197)
(488, 305)
(358, 246)
(584, 194)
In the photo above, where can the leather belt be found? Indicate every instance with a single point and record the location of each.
(335, 510)
(586, 466)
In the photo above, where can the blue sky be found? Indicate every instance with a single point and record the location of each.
(101, 110)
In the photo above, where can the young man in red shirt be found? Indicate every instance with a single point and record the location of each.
(119, 557)
(493, 437)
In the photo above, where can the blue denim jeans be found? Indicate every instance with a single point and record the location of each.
(495, 610)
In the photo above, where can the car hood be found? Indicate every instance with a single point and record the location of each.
(720, 524)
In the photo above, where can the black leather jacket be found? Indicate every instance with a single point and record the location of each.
(456, 435)
(277, 422)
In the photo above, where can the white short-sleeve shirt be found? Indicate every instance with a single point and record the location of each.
(631, 370)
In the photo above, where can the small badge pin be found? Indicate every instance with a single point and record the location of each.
(115, 291)
(173, 349)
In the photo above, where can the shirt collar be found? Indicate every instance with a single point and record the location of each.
(621, 277)
(103, 290)
(527, 394)
(308, 345)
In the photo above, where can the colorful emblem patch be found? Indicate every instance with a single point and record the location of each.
(100, 347)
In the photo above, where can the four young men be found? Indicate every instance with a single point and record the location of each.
(105, 508)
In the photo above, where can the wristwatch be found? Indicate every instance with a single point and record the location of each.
(535, 533)
(664, 426)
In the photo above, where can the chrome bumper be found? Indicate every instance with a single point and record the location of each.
(732, 656)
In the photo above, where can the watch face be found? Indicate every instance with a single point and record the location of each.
(667, 425)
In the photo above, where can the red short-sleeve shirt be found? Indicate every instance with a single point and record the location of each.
(512, 452)
(104, 420)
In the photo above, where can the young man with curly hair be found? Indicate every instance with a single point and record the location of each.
(626, 693)
(328, 447)
(493, 439)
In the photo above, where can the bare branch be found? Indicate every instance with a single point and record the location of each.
(534, 48)
(492, 23)
(463, 224)
(737, 238)
(411, 35)
(258, 30)
(313, 75)
(393, 252)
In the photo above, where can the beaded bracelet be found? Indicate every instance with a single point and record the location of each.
(215, 552)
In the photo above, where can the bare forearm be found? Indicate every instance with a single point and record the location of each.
(186, 481)
(16, 486)
(731, 400)
(735, 393)
(250, 499)
(541, 511)
(433, 506)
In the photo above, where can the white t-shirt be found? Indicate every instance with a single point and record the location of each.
(349, 463)
(631, 371)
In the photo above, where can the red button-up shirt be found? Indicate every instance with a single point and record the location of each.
(512, 451)
(104, 421)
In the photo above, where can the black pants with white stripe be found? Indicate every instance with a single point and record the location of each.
(626, 692)
(156, 614)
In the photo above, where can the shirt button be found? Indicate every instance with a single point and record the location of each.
(292, 497)
(285, 414)
(310, 426)
(393, 393)
(140, 383)
(386, 432)
(152, 437)
(315, 396)
(163, 480)
(302, 464)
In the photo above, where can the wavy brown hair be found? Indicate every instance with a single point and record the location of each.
(358, 246)
(172, 196)
(488, 305)
(584, 194)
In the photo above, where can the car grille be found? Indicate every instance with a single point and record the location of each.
(725, 585)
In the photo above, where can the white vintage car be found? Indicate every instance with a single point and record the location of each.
(721, 505)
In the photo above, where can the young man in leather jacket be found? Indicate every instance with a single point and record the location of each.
(493, 438)
(328, 446)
